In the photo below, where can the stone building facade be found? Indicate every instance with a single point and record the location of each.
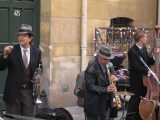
(60, 38)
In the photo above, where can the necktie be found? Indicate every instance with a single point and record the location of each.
(25, 58)
(105, 71)
(142, 50)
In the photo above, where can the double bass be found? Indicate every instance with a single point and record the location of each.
(149, 107)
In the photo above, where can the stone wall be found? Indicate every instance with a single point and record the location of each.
(60, 39)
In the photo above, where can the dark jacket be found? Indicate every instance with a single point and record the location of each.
(137, 69)
(80, 84)
(96, 95)
(15, 66)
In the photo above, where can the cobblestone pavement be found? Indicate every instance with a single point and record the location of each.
(78, 113)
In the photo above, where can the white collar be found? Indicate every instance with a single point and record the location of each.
(139, 47)
(25, 49)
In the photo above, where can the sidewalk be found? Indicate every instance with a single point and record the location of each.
(78, 113)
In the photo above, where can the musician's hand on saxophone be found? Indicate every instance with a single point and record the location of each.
(114, 78)
(110, 88)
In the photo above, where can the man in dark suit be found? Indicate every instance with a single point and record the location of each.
(97, 86)
(137, 70)
(22, 60)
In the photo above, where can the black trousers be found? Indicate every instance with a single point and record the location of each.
(23, 105)
(97, 117)
(133, 109)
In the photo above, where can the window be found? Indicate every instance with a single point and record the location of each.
(121, 22)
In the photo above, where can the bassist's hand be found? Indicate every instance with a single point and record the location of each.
(153, 75)
(156, 50)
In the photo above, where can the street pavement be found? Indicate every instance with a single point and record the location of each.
(78, 113)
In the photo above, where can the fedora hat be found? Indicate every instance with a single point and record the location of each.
(105, 51)
(25, 29)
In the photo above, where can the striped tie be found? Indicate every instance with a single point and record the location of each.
(25, 58)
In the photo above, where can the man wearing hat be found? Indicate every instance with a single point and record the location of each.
(97, 86)
(21, 61)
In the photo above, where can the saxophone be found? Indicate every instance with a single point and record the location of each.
(118, 100)
(37, 84)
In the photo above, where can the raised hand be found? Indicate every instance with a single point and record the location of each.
(7, 50)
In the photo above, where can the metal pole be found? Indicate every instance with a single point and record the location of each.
(84, 36)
